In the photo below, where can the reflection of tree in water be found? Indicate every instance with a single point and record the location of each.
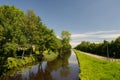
(40, 75)
(61, 63)
(45, 74)
(65, 70)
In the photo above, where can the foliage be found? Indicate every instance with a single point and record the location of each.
(10, 49)
(97, 69)
(49, 55)
(24, 34)
(20, 31)
(112, 47)
(66, 37)
(13, 62)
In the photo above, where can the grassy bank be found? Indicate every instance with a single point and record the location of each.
(50, 56)
(12, 63)
(95, 69)
(18, 62)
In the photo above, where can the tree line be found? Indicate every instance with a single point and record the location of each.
(24, 33)
(106, 48)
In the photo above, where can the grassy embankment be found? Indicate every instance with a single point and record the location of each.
(49, 55)
(94, 69)
(18, 62)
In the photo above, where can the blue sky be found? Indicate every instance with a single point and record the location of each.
(90, 20)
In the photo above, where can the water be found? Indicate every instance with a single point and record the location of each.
(65, 67)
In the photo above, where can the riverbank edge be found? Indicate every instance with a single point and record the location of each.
(78, 63)
(17, 63)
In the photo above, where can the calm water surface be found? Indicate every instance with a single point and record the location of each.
(65, 67)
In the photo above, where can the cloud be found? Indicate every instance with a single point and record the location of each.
(74, 43)
(98, 34)
(103, 32)
(78, 35)
(109, 35)
(96, 37)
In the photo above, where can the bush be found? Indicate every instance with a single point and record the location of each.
(16, 62)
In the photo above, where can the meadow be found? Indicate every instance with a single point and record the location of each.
(95, 69)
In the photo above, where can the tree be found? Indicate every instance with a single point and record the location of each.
(117, 47)
(20, 32)
(66, 37)
(10, 49)
(11, 32)
(31, 28)
(108, 49)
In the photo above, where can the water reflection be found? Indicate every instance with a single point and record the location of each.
(58, 69)
(59, 65)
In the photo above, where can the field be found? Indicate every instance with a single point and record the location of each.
(94, 69)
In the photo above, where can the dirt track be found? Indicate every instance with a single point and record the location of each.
(101, 57)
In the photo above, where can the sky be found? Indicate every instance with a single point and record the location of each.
(86, 20)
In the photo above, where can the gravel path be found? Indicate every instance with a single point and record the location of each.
(101, 57)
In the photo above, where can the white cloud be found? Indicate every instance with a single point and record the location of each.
(78, 35)
(103, 32)
(74, 43)
(109, 35)
(98, 34)
(96, 37)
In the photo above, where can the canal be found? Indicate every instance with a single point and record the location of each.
(65, 67)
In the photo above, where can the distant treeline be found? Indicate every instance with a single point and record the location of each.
(109, 49)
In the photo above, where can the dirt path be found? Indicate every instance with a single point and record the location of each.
(101, 57)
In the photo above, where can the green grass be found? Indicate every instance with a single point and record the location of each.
(94, 69)
(50, 56)
(17, 62)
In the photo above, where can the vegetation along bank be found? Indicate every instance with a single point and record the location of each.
(24, 38)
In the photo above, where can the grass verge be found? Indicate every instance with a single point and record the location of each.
(17, 62)
(94, 69)
(50, 56)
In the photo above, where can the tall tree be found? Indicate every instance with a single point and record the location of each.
(20, 31)
(66, 37)
(10, 21)
(117, 46)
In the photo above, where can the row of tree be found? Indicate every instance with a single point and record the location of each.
(22, 32)
(109, 49)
